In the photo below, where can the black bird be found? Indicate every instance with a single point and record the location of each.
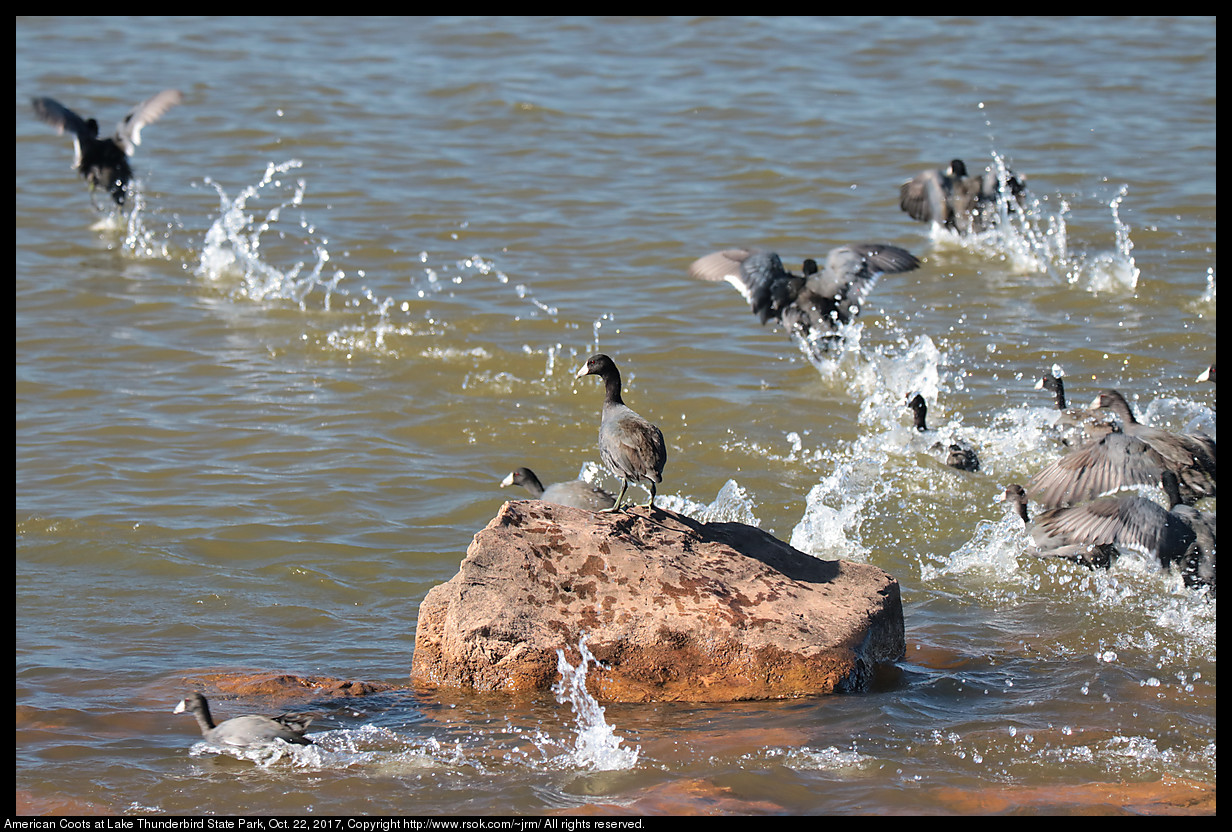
(245, 731)
(576, 493)
(628, 444)
(1191, 456)
(953, 198)
(1100, 555)
(811, 306)
(1208, 374)
(1179, 534)
(1052, 383)
(103, 162)
(959, 453)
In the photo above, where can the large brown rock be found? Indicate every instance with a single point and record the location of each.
(675, 609)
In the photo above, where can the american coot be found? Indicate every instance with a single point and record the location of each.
(576, 493)
(103, 162)
(1077, 425)
(245, 731)
(810, 306)
(959, 453)
(1112, 462)
(1190, 455)
(960, 202)
(628, 444)
(1208, 375)
(1043, 545)
(1179, 534)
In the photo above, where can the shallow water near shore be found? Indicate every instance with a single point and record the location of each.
(260, 416)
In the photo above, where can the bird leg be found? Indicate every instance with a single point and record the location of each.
(616, 506)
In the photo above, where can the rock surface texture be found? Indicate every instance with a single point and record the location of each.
(673, 608)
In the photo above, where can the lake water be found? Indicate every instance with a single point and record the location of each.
(259, 419)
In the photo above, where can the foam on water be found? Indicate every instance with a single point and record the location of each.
(846, 762)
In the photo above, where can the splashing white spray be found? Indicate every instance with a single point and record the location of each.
(597, 747)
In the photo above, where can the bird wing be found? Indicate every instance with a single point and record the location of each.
(59, 116)
(925, 197)
(726, 265)
(1191, 455)
(256, 730)
(851, 272)
(642, 451)
(1126, 521)
(758, 275)
(128, 131)
(1114, 461)
(62, 118)
(295, 722)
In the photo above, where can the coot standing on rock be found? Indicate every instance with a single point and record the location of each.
(628, 444)
(576, 493)
(245, 731)
(811, 306)
(103, 162)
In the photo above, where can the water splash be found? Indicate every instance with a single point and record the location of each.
(126, 229)
(836, 508)
(139, 239)
(233, 243)
(1208, 295)
(1115, 270)
(596, 327)
(1034, 239)
(994, 549)
(597, 747)
(731, 505)
(263, 755)
(259, 257)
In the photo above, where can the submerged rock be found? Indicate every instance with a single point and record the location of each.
(675, 609)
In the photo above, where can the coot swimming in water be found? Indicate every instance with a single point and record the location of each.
(810, 306)
(628, 444)
(576, 493)
(1190, 455)
(1077, 425)
(245, 731)
(1179, 534)
(956, 200)
(1046, 545)
(103, 162)
(959, 453)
